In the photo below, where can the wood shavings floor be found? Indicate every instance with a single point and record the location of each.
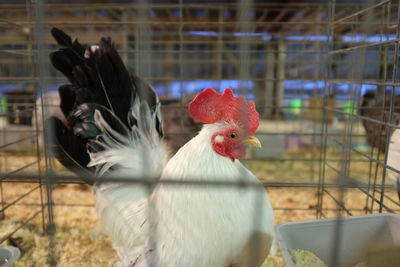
(79, 242)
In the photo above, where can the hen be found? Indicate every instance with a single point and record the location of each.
(206, 208)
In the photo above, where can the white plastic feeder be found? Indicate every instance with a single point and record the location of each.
(8, 255)
(357, 233)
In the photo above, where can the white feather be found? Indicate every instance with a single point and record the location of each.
(140, 155)
(92, 48)
(393, 158)
(183, 224)
(219, 139)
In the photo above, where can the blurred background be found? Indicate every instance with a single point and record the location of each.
(323, 75)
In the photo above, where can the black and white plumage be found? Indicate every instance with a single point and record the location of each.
(114, 128)
(99, 81)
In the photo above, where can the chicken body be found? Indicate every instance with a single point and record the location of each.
(206, 210)
(193, 219)
(238, 221)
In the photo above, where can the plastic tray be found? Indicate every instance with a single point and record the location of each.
(357, 234)
(8, 255)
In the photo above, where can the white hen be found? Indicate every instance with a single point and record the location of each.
(206, 210)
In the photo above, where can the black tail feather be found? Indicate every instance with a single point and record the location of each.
(62, 63)
(109, 80)
(67, 98)
(99, 81)
(71, 55)
(100, 77)
(61, 37)
(68, 148)
(65, 40)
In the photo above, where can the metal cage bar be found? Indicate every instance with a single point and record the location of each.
(278, 54)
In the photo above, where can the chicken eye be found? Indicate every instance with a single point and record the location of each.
(233, 135)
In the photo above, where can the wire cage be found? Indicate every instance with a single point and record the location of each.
(323, 75)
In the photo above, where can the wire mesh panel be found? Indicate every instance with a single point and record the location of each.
(364, 63)
(323, 76)
(19, 153)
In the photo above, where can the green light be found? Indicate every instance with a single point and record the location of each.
(349, 107)
(3, 104)
(295, 106)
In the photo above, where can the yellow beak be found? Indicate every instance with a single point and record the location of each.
(252, 141)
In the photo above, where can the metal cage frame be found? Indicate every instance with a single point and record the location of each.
(329, 21)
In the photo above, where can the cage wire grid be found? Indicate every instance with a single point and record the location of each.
(259, 49)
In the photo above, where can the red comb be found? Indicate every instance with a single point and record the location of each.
(210, 107)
